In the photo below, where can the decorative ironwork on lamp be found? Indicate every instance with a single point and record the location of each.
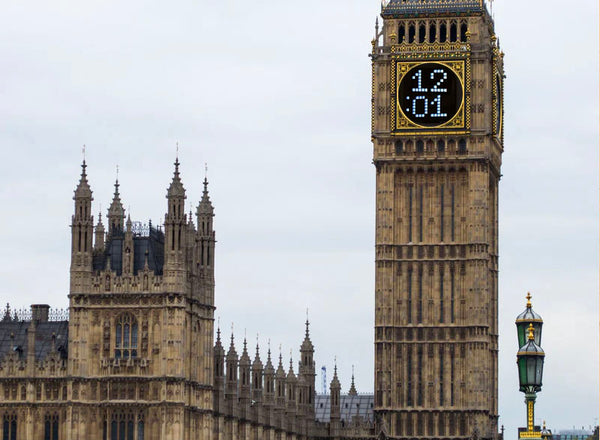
(530, 363)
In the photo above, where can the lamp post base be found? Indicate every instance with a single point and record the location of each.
(535, 434)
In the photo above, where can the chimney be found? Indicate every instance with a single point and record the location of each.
(39, 312)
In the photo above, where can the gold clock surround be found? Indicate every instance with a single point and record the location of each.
(459, 124)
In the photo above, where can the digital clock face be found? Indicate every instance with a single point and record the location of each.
(430, 94)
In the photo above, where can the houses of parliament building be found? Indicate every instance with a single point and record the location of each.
(138, 356)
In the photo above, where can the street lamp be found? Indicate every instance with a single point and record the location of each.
(524, 319)
(530, 363)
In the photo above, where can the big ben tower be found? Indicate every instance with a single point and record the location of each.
(437, 145)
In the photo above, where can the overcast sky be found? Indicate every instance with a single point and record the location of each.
(275, 97)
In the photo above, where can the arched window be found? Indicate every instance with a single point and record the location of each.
(453, 33)
(422, 32)
(441, 146)
(452, 146)
(443, 33)
(126, 337)
(401, 33)
(432, 32)
(463, 32)
(124, 426)
(9, 427)
(51, 427)
(462, 146)
(411, 33)
(420, 147)
(399, 147)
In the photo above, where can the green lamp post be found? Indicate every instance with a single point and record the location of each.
(530, 361)
(524, 319)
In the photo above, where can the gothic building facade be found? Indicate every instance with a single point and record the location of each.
(437, 115)
(135, 357)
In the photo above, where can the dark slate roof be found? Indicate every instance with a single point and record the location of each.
(417, 7)
(153, 243)
(43, 337)
(350, 406)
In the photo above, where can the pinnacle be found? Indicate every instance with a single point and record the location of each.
(352, 391)
(205, 206)
(176, 188)
(83, 187)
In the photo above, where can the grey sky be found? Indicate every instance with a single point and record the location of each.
(275, 97)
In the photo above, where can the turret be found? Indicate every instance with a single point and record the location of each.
(269, 387)
(128, 248)
(175, 223)
(116, 213)
(231, 383)
(205, 244)
(280, 384)
(205, 213)
(291, 383)
(257, 377)
(306, 371)
(245, 376)
(218, 370)
(82, 229)
(334, 389)
(99, 235)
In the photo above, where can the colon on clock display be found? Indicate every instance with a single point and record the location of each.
(430, 94)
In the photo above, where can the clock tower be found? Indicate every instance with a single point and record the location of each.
(437, 137)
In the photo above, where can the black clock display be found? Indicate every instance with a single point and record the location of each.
(430, 94)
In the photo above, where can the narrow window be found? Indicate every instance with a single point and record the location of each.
(463, 32)
(421, 212)
(442, 212)
(411, 33)
(441, 375)
(399, 147)
(409, 372)
(443, 33)
(420, 147)
(452, 212)
(441, 146)
(420, 379)
(85, 240)
(51, 427)
(452, 295)
(409, 302)
(462, 146)
(410, 210)
(79, 242)
(442, 294)
(452, 375)
(420, 304)
(432, 32)
(422, 32)
(453, 32)
(126, 337)
(130, 430)
(9, 426)
(401, 33)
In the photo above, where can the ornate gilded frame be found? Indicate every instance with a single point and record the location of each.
(453, 55)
